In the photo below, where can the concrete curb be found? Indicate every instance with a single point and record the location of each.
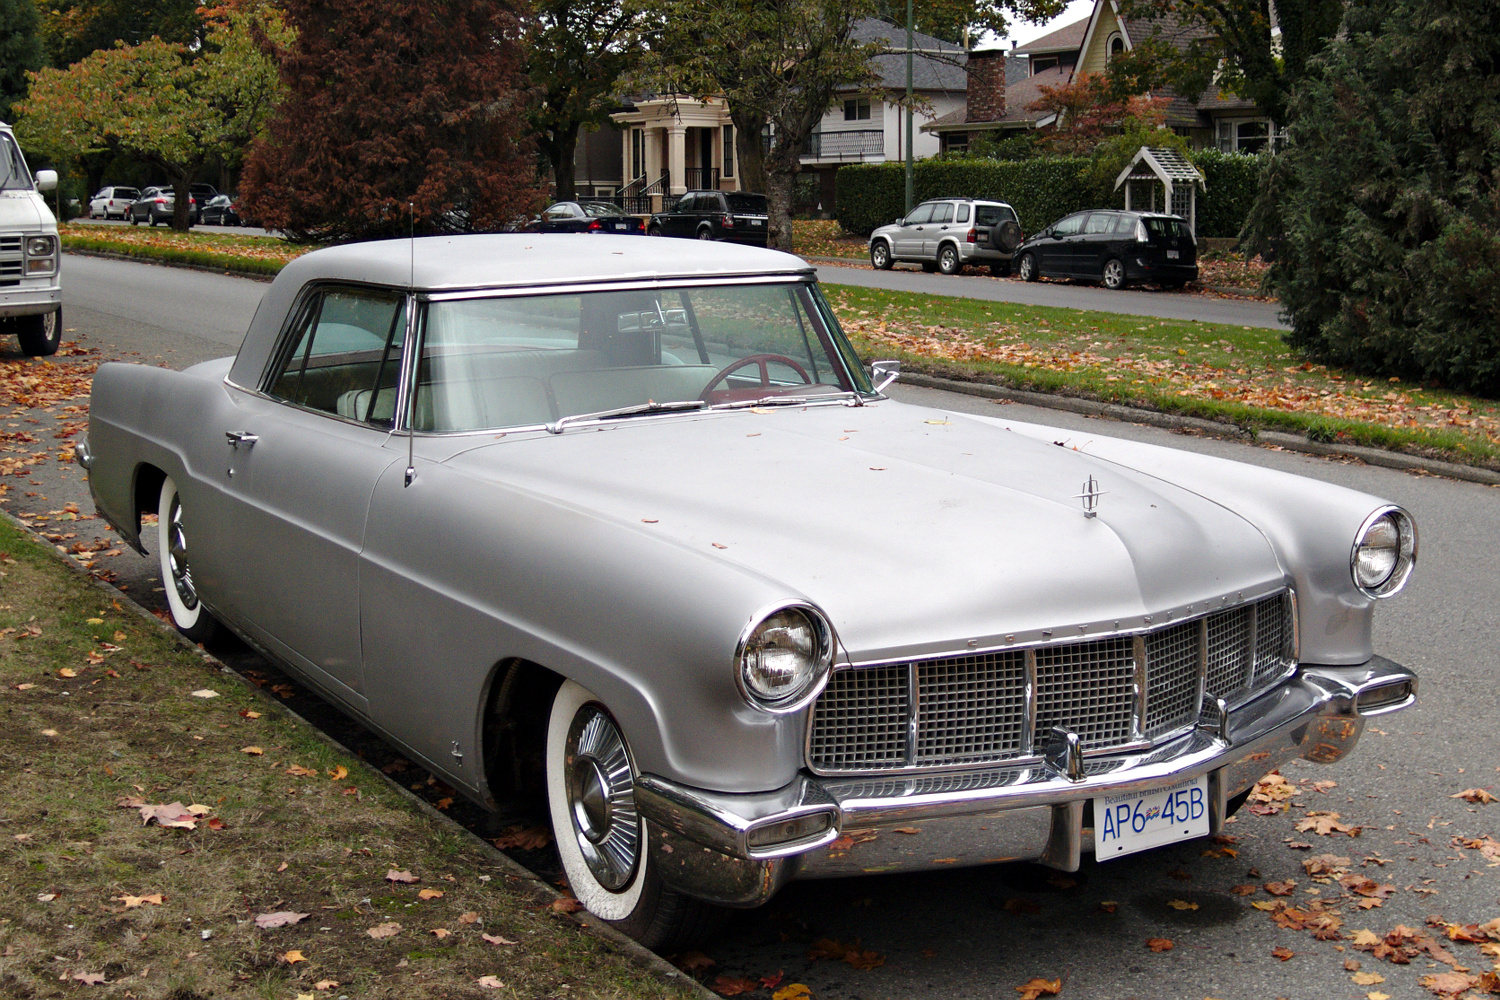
(231, 272)
(1177, 422)
(529, 884)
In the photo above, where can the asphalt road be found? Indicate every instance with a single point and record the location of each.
(1181, 305)
(983, 932)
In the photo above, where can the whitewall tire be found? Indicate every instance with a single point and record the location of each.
(188, 613)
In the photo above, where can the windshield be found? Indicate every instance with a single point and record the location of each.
(599, 210)
(518, 361)
(747, 204)
(13, 172)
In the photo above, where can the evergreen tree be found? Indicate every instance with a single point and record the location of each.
(394, 103)
(20, 51)
(1385, 209)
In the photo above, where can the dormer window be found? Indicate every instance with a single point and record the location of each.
(1116, 46)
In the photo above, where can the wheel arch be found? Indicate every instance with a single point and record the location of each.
(513, 732)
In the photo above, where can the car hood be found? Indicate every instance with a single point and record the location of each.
(916, 531)
(24, 209)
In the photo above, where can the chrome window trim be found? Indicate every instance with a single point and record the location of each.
(1028, 753)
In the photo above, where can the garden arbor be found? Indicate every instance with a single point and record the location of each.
(1154, 168)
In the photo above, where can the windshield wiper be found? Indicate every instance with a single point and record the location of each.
(675, 406)
(844, 397)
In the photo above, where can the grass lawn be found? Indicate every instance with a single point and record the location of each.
(1242, 375)
(168, 833)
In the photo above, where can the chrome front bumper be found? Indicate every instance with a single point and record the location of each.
(726, 847)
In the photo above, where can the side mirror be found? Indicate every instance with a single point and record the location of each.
(883, 373)
(46, 180)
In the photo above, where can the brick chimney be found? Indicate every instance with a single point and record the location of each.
(986, 91)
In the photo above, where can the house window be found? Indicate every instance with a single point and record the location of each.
(857, 109)
(1116, 46)
(728, 150)
(1038, 64)
(955, 142)
(1249, 135)
(637, 153)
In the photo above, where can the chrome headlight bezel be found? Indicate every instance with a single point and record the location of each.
(1404, 549)
(819, 666)
(41, 246)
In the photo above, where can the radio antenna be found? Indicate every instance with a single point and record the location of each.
(411, 337)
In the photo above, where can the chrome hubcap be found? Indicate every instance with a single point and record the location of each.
(601, 799)
(177, 560)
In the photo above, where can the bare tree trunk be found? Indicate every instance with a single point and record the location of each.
(749, 128)
(182, 209)
(563, 150)
(779, 184)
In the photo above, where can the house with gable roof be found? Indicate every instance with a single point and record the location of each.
(999, 101)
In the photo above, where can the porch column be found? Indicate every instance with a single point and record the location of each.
(677, 157)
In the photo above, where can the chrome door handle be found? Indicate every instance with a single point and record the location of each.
(237, 438)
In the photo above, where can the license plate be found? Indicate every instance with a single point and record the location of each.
(1172, 255)
(757, 222)
(619, 225)
(1137, 821)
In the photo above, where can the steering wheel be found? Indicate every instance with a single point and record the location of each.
(759, 360)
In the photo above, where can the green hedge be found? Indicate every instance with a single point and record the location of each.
(1041, 191)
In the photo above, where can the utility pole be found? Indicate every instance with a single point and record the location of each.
(909, 96)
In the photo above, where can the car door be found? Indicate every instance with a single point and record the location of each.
(1094, 247)
(679, 221)
(302, 458)
(1056, 252)
(934, 231)
(908, 239)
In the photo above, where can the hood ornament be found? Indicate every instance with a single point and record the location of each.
(1090, 497)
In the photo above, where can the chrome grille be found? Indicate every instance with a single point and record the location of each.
(972, 708)
(1088, 687)
(995, 707)
(10, 257)
(10, 244)
(1172, 693)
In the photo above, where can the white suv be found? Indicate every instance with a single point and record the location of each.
(30, 253)
(945, 234)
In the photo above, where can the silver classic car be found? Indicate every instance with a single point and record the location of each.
(625, 526)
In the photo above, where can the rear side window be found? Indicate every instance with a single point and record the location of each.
(747, 204)
(1100, 223)
(344, 354)
(1167, 228)
(943, 212)
(963, 214)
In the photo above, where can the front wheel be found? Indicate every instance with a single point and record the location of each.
(948, 261)
(1114, 274)
(601, 838)
(188, 613)
(654, 231)
(880, 255)
(40, 336)
(1027, 268)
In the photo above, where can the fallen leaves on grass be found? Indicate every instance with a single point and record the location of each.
(252, 751)
(281, 918)
(173, 814)
(439, 932)
(204, 693)
(490, 983)
(131, 902)
(90, 978)
(566, 904)
(427, 894)
(293, 957)
(400, 876)
(380, 931)
(497, 939)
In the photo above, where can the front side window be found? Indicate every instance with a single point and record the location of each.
(919, 215)
(1070, 226)
(523, 361)
(343, 354)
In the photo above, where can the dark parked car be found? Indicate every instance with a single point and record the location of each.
(220, 210)
(1115, 248)
(586, 217)
(732, 216)
(156, 204)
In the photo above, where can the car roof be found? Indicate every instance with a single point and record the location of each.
(504, 262)
(977, 201)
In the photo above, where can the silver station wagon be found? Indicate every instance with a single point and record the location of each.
(624, 525)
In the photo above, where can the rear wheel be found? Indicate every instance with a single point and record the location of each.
(40, 336)
(948, 260)
(1114, 274)
(1027, 267)
(601, 838)
(654, 231)
(188, 613)
(880, 255)
(705, 233)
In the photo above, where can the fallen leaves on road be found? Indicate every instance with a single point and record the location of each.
(1478, 796)
(733, 986)
(1160, 944)
(1282, 952)
(523, 838)
(1271, 795)
(1039, 987)
(849, 954)
(1325, 824)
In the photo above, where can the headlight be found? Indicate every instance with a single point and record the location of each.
(784, 658)
(40, 246)
(1384, 552)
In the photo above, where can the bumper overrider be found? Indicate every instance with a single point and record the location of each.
(738, 850)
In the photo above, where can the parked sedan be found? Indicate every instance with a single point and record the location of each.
(220, 210)
(1114, 248)
(625, 526)
(730, 216)
(112, 202)
(586, 217)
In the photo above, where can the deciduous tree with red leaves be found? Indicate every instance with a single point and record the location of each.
(400, 113)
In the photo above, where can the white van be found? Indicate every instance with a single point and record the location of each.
(30, 253)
